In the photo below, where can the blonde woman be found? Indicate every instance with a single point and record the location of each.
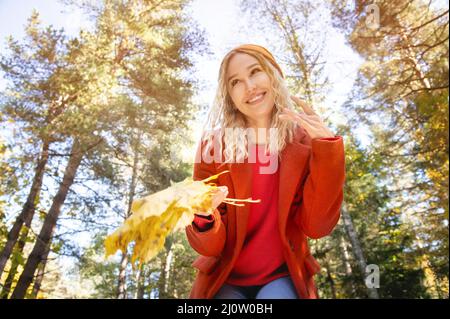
(291, 162)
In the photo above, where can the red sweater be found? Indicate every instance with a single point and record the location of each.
(261, 258)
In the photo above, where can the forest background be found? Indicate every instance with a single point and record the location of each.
(103, 101)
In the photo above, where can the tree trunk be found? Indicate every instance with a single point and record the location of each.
(346, 255)
(357, 250)
(121, 285)
(43, 240)
(330, 280)
(348, 266)
(40, 273)
(140, 278)
(14, 263)
(430, 279)
(163, 282)
(167, 270)
(27, 213)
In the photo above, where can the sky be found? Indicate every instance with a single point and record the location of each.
(14, 15)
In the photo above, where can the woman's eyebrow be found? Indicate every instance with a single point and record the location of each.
(249, 67)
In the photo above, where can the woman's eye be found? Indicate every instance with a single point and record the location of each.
(234, 82)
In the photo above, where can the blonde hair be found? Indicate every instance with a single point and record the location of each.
(223, 114)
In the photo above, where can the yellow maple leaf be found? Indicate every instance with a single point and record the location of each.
(157, 215)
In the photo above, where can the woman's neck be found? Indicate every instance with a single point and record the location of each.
(260, 135)
(259, 123)
(261, 130)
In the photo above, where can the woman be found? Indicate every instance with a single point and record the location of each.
(260, 250)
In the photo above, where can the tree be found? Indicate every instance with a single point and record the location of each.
(33, 69)
(115, 61)
(402, 95)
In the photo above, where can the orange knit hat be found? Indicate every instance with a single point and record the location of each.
(261, 50)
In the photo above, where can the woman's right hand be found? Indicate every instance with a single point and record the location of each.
(219, 196)
(217, 199)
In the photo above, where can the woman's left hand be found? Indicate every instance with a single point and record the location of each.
(308, 119)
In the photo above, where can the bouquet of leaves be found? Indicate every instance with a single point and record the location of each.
(157, 215)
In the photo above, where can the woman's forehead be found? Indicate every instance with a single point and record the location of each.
(240, 62)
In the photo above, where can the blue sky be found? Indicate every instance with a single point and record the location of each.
(14, 14)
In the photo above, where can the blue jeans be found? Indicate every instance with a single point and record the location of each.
(281, 288)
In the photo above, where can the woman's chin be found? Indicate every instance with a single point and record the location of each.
(262, 110)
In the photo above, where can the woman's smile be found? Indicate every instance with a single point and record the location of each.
(256, 99)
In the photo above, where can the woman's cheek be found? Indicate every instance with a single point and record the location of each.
(263, 78)
(237, 96)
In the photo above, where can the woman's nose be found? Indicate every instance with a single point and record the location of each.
(250, 85)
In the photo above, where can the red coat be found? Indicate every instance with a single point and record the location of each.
(312, 175)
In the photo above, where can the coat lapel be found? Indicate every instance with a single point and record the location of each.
(292, 165)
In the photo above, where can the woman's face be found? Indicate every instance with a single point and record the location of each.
(250, 88)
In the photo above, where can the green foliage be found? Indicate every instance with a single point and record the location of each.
(401, 95)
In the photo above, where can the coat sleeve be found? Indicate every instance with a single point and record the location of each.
(323, 188)
(211, 241)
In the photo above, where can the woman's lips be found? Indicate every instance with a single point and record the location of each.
(260, 99)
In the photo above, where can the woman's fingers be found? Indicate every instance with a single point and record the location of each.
(287, 116)
(303, 105)
(221, 194)
(292, 116)
(290, 112)
(309, 120)
(312, 119)
(298, 117)
(306, 125)
(224, 189)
